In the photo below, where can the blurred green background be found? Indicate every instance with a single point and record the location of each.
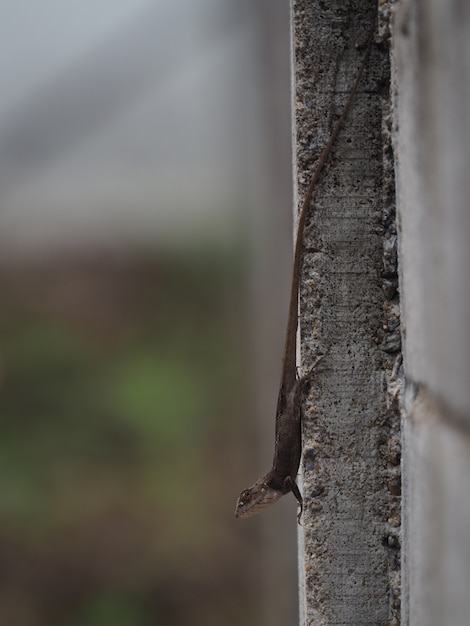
(118, 426)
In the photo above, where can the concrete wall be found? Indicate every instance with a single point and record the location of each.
(432, 149)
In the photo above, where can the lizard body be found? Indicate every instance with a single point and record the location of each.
(281, 479)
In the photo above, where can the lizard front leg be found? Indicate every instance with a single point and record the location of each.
(291, 485)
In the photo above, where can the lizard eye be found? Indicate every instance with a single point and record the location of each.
(245, 495)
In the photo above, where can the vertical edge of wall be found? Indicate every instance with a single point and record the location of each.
(349, 305)
(432, 146)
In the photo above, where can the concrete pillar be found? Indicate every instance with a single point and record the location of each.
(349, 305)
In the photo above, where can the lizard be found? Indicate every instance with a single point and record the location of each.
(281, 479)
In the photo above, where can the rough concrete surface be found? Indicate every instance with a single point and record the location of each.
(349, 541)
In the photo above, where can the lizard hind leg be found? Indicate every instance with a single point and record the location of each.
(302, 383)
(311, 371)
(299, 391)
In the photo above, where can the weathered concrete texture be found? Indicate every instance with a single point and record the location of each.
(432, 145)
(349, 543)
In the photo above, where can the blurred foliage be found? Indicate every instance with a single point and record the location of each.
(118, 420)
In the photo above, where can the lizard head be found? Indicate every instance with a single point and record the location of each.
(256, 498)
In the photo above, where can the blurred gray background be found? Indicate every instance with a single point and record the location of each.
(133, 121)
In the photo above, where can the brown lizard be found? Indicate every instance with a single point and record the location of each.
(287, 451)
